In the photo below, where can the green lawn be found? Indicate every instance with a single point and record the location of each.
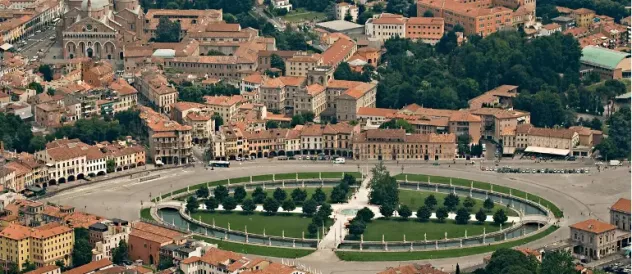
(257, 249)
(300, 14)
(437, 254)
(415, 199)
(484, 186)
(394, 230)
(144, 214)
(293, 224)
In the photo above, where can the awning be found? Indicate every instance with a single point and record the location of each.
(546, 150)
(6, 46)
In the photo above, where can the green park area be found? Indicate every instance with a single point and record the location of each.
(293, 224)
(484, 186)
(415, 199)
(437, 254)
(301, 15)
(394, 229)
(278, 252)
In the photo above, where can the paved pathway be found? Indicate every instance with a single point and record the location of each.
(577, 195)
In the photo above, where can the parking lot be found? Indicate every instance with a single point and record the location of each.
(38, 42)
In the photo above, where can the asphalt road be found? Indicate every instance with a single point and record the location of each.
(39, 41)
(579, 196)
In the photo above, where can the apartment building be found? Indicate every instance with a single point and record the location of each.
(97, 74)
(312, 139)
(396, 144)
(188, 19)
(499, 97)
(225, 106)
(196, 115)
(42, 245)
(495, 120)
(337, 139)
(125, 96)
(464, 123)
(426, 29)
(593, 239)
(169, 141)
(300, 65)
(620, 214)
(528, 138)
(66, 160)
(312, 98)
(583, 17)
(145, 241)
(385, 26)
(156, 90)
(351, 100)
(216, 261)
(106, 235)
(265, 143)
(229, 143)
(477, 17)
(344, 8)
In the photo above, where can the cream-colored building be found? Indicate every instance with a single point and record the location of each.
(593, 239)
(396, 144)
(527, 138)
(65, 159)
(155, 89)
(224, 106)
(169, 141)
(126, 95)
(349, 102)
(620, 214)
(299, 65)
(495, 120)
(105, 236)
(310, 99)
(385, 26)
(229, 144)
(344, 8)
(43, 245)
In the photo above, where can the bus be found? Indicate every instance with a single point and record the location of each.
(219, 163)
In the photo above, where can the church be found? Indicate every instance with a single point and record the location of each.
(99, 28)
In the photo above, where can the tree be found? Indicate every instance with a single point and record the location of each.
(463, 144)
(272, 124)
(500, 217)
(120, 254)
(211, 203)
(428, 13)
(557, 262)
(110, 165)
(447, 43)
(50, 91)
(302, 118)
(168, 31)
(451, 201)
(424, 213)
(338, 195)
(458, 28)
(279, 194)
(192, 204)
(298, 195)
(28, 267)
(504, 258)
(397, 124)
(229, 204)
(441, 214)
(469, 203)
(309, 207)
(365, 214)
(357, 227)
(271, 206)
(277, 62)
(312, 229)
(319, 196)
(248, 206)
(617, 145)
(348, 16)
(82, 250)
(458, 269)
(430, 201)
(488, 204)
(46, 72)
(462, 216)
(404, 212)
(258, 196)
(325, 211)
(165, 262)
(384, 188)
(240, 194)
(481, 217)
(202, 192)
(220, 193)
(214, 52)
(288, 205)
(387, 210)
(36, 86)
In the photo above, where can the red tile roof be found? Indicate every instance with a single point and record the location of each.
(594, 226)
(622, 205)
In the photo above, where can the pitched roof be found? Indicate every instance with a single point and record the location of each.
(622, 205)
(223, 100)
(256, 78)
(337, 52)
(43, 269)
(413, 269)
(90, 267)
(315, 89)
(369, 111)
(294, 81)
(464, 116)
(594, 226)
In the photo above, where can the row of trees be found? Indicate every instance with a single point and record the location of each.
(617, 145)
(510, 261)
(195, 93)
(613, 8)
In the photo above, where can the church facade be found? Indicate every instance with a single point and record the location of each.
(99, 28)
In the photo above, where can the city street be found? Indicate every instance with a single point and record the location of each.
(39, 41)
(578, 195)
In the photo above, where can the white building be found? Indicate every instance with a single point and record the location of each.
(106, 235)
(343, 7)
(385, 26)
(282, 4)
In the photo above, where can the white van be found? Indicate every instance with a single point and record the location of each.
(339, 160)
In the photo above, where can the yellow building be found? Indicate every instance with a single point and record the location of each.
(299, 65)
(42, 245)
(583, 17)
